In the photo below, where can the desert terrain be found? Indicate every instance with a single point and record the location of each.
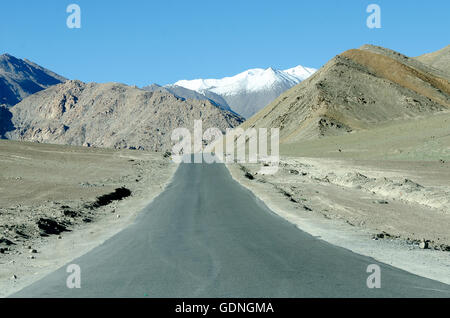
(365, 157)
(57, 202)
(382, 192)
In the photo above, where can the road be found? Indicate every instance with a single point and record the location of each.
(207, 236)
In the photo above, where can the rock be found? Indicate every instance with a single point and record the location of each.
(423, 245)
(118, 216)
(50, 226)
(14, 277)
(6, 241)
(293, 171)
(31, 257)
(33, 251)
(249, 176)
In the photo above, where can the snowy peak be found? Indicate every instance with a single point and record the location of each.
(300, 72)
(251, 80)
(249, 91)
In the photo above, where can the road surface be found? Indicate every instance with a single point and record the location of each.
(207, 236)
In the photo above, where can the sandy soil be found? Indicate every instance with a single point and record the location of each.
(62, 184)
(382, 209)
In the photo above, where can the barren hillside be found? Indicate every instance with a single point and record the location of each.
(110, 115)
(439, 59)
(356, 90)
(21, 78)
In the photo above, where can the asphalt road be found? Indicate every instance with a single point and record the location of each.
(207, 236)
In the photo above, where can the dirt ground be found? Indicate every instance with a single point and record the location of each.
(57, 202)
(382, 192)
(383, 217)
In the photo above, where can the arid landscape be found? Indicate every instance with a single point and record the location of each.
(366, 140)
(61, 201)
(364, 165)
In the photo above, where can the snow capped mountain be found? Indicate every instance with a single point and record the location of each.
(300, 72)
(249, 91)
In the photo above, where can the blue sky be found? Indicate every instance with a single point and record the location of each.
(142, 42)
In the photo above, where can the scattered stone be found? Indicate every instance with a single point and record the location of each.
(293, 171)
(50, 226)
(5, 241)
(382, 235)
(381, 202)
(70, 213)
(423, 244)
(249, 176)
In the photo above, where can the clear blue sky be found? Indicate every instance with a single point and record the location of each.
(142, 42)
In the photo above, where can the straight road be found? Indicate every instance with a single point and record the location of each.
(207, 236)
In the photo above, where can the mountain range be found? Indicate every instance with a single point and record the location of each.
(245, 93)
(110, 115)
(21, 78)
(357, 90)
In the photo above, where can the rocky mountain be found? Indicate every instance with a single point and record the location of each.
(439, 59)
(109, 115)
(21, 78)
(249, 91)
(185, 93)
(356, 90)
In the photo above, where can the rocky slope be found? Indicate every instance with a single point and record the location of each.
(439, 59)
(356, 90)
(185, 93)
(110, 115)
(21, 78)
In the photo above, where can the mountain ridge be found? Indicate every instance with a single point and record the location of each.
(249, 91)
(357, 89)
(20, 78)
(110, 115)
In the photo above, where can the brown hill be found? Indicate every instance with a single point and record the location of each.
(356, 90)
(110, 115)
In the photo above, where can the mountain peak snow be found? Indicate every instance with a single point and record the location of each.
(251, 80)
